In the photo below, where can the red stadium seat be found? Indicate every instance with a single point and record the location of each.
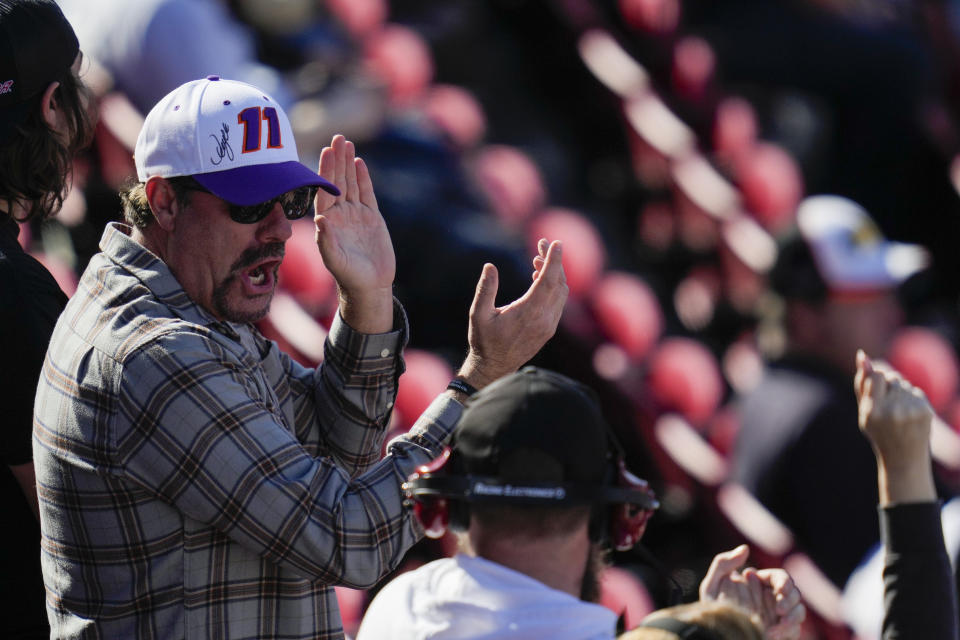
(929, 361)
(654, 16)
(352, 603)
(303, 275)
(457, 113)
(401, 58)
(771, 184)
(584, 253)
(693, 68)
(427, 375)
(685, 377)
(627, 312)
(624, 593)
(511, 182)
(734, 129)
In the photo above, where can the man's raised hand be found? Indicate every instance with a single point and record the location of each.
(503, 338)
(354, 241)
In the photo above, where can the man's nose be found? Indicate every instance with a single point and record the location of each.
(275, 227)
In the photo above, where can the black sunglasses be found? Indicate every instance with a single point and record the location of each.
(296, 204)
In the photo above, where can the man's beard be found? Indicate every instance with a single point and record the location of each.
(597, 561)
(247, 258)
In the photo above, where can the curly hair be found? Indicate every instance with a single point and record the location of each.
(724, 620)
(136, 206)
(35, 162)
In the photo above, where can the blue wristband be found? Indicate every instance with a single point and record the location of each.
(461, 385)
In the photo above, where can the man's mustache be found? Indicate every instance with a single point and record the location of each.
(254, 255)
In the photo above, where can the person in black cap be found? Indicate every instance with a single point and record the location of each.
(44, 117)
(43, 122)
(536, 482)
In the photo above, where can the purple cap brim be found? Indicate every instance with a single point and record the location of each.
(254, 184)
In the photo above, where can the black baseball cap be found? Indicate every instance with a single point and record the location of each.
(534, 426)
(36, 45)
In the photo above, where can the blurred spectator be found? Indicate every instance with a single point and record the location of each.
(43, 122)
(851, 90)
(797, 450)
(151, 46)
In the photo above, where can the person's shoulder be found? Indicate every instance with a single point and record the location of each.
(794, 387)
(128, 320)
(23, 275)
(181, 344)
(403, 584)
(391, 613)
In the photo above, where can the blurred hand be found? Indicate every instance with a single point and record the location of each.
(896, 417)
(354, 241)
(502, 339)
(770, 594)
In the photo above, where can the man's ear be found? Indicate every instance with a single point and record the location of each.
(50, 108)
(163, 202)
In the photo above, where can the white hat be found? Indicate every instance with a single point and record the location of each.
(234, 139)
(850, 253)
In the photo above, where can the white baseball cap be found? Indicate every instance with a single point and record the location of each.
(231, 137)
(849, 251)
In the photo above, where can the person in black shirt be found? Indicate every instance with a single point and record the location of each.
(44, 120)
(920, 598)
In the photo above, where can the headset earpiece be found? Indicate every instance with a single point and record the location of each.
(432, 511)
(434, 515)
(629, 520)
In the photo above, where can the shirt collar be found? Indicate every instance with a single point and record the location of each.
(118, 245)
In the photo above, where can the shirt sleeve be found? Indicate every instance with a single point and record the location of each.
(30, 302)
(920, 599)
(342, 409)
(192, 429)
(23, 343)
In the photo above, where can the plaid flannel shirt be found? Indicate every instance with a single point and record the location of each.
(195, 482)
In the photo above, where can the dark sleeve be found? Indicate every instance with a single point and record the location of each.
(919, 594)
(30, 302)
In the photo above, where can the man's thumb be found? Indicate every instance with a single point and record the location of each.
(486, 295)
(721, 567)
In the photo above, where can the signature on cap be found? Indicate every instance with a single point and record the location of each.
(6, 87)
(223, 148)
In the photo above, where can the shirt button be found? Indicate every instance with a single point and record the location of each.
(385, 353)
(390, 405)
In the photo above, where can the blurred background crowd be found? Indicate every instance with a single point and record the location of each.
(747, 191)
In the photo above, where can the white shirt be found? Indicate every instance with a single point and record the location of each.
(469, 597)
